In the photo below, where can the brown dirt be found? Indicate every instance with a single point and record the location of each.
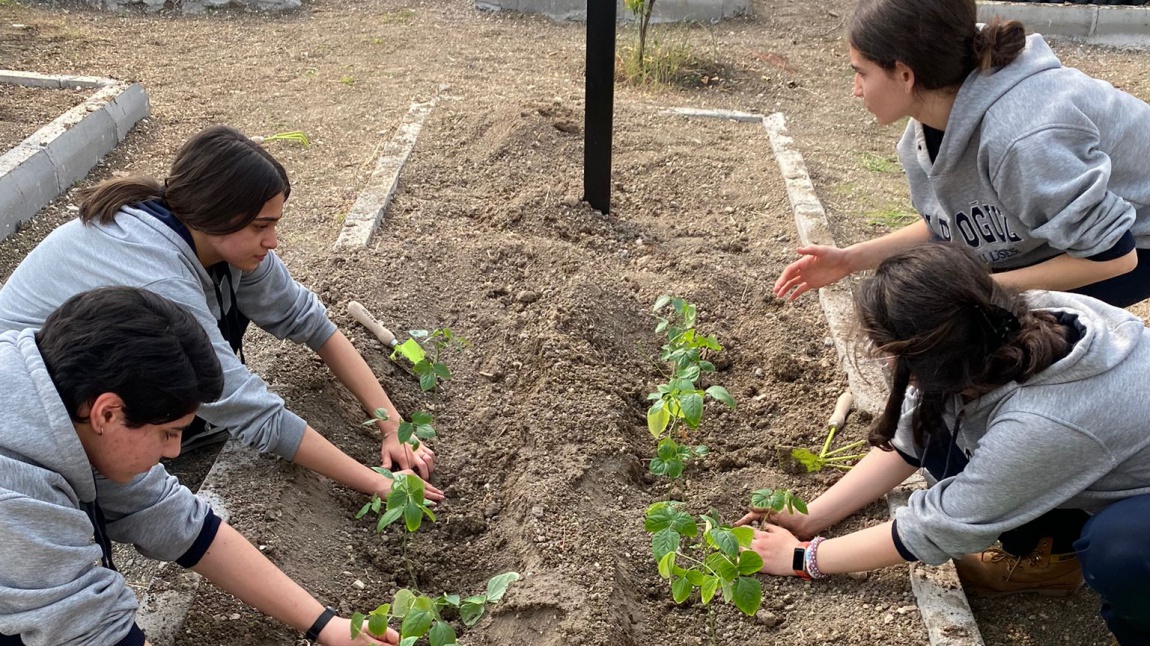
(24, 109)
(543, 461)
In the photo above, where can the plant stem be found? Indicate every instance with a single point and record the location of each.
(711, 630)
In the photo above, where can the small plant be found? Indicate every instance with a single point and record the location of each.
(878, 163)
(641, 9)
(891, 217)
(420, 615)
(678, 404)
(347, 79)
(429, 369)
(298, 136)
(710, 557)
(840, 457)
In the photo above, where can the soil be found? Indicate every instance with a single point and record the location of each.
(24, 109)
(543, 443)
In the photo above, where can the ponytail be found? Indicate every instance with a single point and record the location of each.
(100, 203)
(998, 44)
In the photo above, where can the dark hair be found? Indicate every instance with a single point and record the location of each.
(136, 344)
(949, 327)
(939, 40)
(219, 182)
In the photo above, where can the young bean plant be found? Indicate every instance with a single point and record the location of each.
(709, 557)
(429, 369)
(406, 500)
(420, 615)
(678, 404)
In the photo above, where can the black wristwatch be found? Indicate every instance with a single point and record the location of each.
(798, 561)
(320, 623)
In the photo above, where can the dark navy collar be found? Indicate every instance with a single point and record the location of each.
(159, 210)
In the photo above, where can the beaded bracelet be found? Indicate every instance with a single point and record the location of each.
(811, 562)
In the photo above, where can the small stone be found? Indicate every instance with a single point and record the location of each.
(729, 210)
(829, 342)
(492, 510)
(527, 296)
(570, 201)
(537, 511)
(907, 609)
(234, 616)
(758, 372)
(675, 205)
(768, 618)
(859, 576)
(358, 585)
(887, 618)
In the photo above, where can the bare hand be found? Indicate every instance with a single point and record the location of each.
(430, 492)
(338, 633)
(776, 546)
(402, 456)
(794, 523)
(818, 267)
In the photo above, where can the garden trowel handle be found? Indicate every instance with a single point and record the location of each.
(842, 409)
(360, 313)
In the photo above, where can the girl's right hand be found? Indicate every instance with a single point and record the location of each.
(795, 523)
(338, 633)
(818, 267)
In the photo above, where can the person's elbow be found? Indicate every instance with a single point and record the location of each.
(1123, 265)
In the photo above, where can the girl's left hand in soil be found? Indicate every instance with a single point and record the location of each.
(338, 633)
(776, 546)
(402, 456)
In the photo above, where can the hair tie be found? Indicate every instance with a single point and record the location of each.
(998, 322)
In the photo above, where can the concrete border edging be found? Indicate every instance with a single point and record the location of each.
(45, 164)
(366, 213)
(666, 11)
(1096, 24)
(940, 599)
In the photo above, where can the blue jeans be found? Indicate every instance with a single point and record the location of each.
(1115, 556)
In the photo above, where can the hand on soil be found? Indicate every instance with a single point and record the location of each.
(784, 519)
(395, 453)
(338, 633)
(818, 267)
(776, 546)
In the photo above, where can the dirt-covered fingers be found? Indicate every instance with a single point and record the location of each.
(430, 491)
(751, 517)
(776, 546)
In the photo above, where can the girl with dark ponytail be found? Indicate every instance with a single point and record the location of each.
(1036, 167)
(205, 237)
(1016, 405)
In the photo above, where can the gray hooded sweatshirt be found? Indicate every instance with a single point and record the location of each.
(53, 589)
(1037, 160)
(1074, 436)
(138, 250)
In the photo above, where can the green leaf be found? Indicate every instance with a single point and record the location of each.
(418, 334)
(422, 368)
(363, 510)
(357, 623)
(744, 535)
(797, 503)
(708, 588)
(664, 541)
(750, 562)
(412, 516)
(377, 625)
(406, 429)
(441, 370)
(667, 565)
(420, 417)
(747, 595)
(659, 516)
(808, 459)
(441, 634)
(657, 418)
(660, 467)
(702, 450)
(681, 386)
(680, 590)
(692, 406)
(683, 523)
(661, 326)
(410, 350)
(667, 449)
(722, 566)
(470, 612)
(425, 432)
(696, 577)
(497, 585)
(706, 366)
(388, 518)
(402, 601)
(690, 373)
(383, 609)
(663, 300)
(384, 472)
(418, 619)
(427, 381)
(448, 600)
(725, 541)
(721, 394)
(408, 641)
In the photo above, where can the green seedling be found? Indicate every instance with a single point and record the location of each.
(406, 500)
(777, 500)
(423, 616)
(429, 369)
(641, 9)
(878, 163)
(678, 404)
(347, 79)
(297, 136)
(410, 432)
(840, 458)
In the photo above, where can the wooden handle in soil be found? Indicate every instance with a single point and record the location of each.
(842, 409)
(360, 313)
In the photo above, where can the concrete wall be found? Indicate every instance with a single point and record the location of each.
(665, 10)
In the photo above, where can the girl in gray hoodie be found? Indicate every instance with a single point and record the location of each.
(1018, 405)
(205, 238)
(1038, 168)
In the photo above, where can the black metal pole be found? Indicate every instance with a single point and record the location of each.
(600, 103)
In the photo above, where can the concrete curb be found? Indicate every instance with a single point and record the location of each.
(666, 11)
(164, 606)
(1103, 25)
(365, 215)
(940, 599)
(48, 162)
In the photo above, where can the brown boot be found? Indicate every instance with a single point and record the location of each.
(994, 573)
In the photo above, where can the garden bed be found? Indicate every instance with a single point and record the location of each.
(543, 436)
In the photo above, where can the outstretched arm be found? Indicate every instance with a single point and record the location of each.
(353, 372)
(1063, 273)
(874, 475)
(237, 567)
(822, 265)
(318, 454)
